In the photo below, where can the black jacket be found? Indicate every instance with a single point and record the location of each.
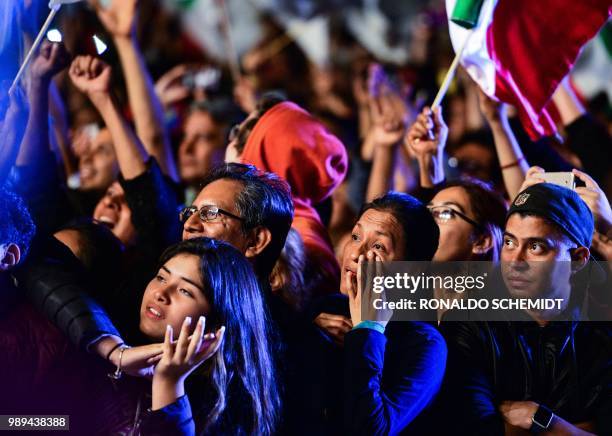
(566, 366)
(375, 384)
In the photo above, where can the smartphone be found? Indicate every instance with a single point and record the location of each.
(205, 78)
(565, 179)
(91, 130)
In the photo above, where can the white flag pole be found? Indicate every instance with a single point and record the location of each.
(233, 58)
(37, 41)
(450, 74)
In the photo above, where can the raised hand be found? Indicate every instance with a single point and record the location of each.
(388, 108)
(427, 136)
(13, 122)
(51, 59)
(91, 76)
(181, 358)
(425, 142)
(532, 177)
(388, 119)
(360, 299)
(493, 110)
(596, 199)
(119, 17)
(170, 88)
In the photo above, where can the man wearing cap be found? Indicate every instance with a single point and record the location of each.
(541, 375)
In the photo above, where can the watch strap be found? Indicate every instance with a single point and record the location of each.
(542, 419)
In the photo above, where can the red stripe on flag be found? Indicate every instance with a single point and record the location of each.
(534, 44)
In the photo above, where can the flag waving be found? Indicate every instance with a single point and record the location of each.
(519, 50)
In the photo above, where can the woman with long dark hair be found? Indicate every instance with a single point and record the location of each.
(227, 349)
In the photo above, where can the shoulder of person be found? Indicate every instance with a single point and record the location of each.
(335, 304)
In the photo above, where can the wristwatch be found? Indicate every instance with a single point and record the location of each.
(541, 420)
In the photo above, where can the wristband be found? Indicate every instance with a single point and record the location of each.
(117, 374)
(513, 164)
(113, 349)
(372, 325)
(541, 420)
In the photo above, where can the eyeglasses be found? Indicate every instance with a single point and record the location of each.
(207, 213)
(445, 214)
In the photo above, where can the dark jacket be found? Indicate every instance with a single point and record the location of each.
(43, 374)
(55, 281)
(376, 384)
(566, 366)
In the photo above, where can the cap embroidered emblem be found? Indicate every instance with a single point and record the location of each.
(521, 199)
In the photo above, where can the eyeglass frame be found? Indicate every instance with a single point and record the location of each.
(459, 214)
(195, 209)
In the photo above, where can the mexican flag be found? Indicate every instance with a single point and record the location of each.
(519, 50)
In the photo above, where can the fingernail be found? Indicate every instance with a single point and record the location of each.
(188, 320)
(168, 328)
(201, 320)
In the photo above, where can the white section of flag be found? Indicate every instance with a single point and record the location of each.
(476, 58)
(57, 3)
(593, 71)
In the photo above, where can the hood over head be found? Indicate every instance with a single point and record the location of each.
(290, 142)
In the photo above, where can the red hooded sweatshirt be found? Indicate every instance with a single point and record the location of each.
(291, 143)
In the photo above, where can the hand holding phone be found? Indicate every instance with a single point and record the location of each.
(565, 179)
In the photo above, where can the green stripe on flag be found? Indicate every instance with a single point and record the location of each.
(606, 36)
(466, 13)
(185, 4)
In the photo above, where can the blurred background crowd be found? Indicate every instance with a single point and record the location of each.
(364, 68)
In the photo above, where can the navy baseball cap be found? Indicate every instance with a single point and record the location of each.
(559, 205)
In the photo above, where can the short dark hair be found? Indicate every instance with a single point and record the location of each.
(265, 200)
(16, 225)
(97, 243)
(421, 233)
(99, 251)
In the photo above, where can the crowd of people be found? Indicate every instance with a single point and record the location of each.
(181, 250)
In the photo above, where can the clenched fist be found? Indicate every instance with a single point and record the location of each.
(91, 76)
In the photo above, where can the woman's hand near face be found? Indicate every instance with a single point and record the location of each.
(182, 358)
(358, 298)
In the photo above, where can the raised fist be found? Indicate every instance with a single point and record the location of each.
(91, 76)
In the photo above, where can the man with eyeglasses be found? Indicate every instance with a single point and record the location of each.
(549, 373)
(250, 209)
